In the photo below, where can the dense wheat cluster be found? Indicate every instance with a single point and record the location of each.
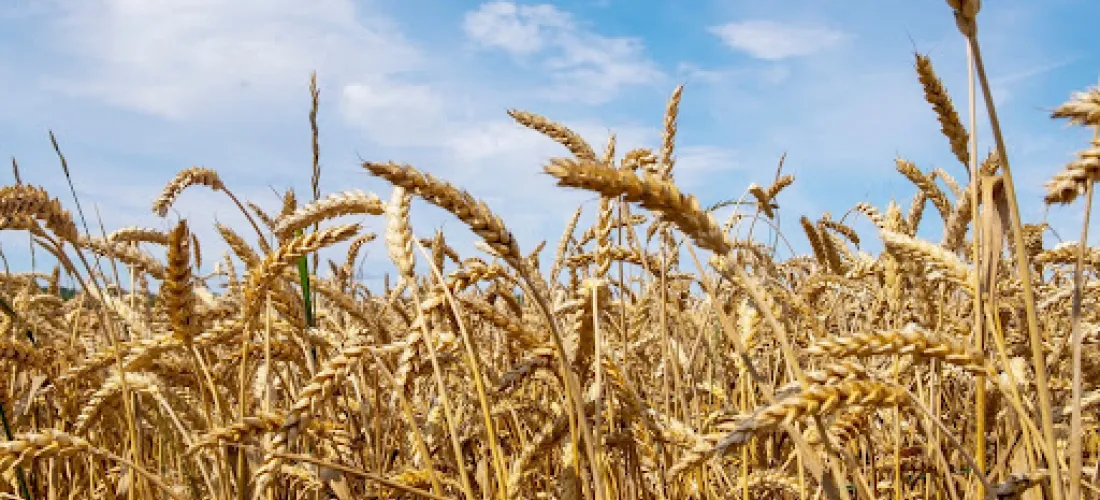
(653, 355)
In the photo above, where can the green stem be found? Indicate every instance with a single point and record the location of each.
(307, 302)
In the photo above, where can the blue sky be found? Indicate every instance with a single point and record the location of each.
(137, 90)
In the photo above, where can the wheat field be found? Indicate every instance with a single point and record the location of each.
(652, 355)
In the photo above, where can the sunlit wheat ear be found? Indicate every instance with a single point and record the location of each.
(355, 247)
(399, 236)
(909, 340)
(844, 230)
(949, 180)
(249, 427)
(334, 371)
(512, 326)
(439, 249)
(1071, 181)
(608, 156)
(916, 212)
(32, 201)
(769, 483)
(639, 159)
(966, 14)
(460, 203)
(547, 438)
(52, 443)
(591, 233)
(872, 213)
(1083, 108)
(194, 176)
(925, 184)
(177, 291)
(830, 374)
(559, 133)
(814, 400)
(265, 217)
(138, 235)
(936, 95)
(20, 223)
(668, 136)
(650, 191)
(958, 222)
(930, 256)
(815, 242)
(335, 205)
(239, 247)
(290, 205)
(844, 427)
(95, 405)
(765, 197)
(47, 444)
(196, 251)
(287, 255)
(1065, 253)
(125, 253)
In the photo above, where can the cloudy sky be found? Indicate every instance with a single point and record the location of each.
(136, 90)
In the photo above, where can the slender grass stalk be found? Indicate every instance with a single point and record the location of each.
(69, 180)
(1076, 431)
(979, 332)
(1022, 267)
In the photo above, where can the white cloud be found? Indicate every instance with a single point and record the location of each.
(515, 29)
(394, 115)
(587, 67)
(178, 59)
(774, 41)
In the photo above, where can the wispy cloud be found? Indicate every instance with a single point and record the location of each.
(583, 64)
(773, 41)
(517, 29)
(181, 59)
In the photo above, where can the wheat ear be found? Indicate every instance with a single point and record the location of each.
(194, 176)
(334, 205)
(177, 291)
(1083, 108)
(399, 236)
(936, 95)
(909, 340)
(650, 191)
(460, 203)
(559, 133)
(35, 202)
